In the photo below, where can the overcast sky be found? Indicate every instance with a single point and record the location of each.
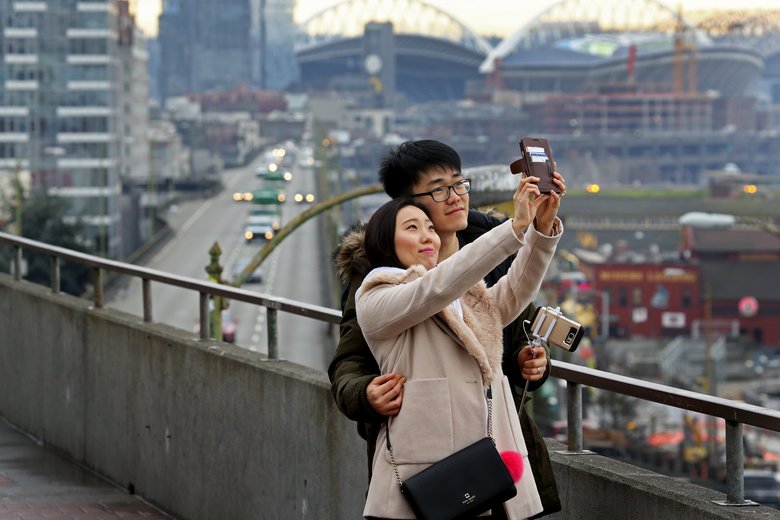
(487, 17)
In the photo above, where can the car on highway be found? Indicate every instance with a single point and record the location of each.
(300, 198)
(278, 176)
(762, 486)
(260, 232)
(264, 219)
(267, 196)
(238, 267)
(229, 327)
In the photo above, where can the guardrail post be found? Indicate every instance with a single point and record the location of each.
(735, 486)
(204, 316)
(97, 279)
(146, 293)
(55, 274)
(574, 416)
(273, 349)
(17, 263)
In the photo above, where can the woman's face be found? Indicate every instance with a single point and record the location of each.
(415, 240)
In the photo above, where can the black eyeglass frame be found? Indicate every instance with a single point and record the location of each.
(459, 184)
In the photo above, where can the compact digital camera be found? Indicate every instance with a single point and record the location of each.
(555, 328)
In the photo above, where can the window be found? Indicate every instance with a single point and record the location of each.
(685, 298)
(636, 297)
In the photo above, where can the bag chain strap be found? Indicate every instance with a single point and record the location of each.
(490, 434)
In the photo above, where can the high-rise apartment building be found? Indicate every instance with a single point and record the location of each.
(61, 115)
(281, 67)
(207, 45)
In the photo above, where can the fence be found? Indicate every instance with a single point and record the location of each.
(735, 414)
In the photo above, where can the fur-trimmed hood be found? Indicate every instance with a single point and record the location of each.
(350, 255)
(479, 332)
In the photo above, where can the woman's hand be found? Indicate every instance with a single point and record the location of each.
(548, 210)
(385, 393)
(533, 362)
(527, 200)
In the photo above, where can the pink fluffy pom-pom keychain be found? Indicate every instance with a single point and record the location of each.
(514, 463)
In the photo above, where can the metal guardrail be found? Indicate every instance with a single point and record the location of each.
(736, 414)
(206, 289)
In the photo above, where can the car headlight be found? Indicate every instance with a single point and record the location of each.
(298, 197)
(248, 196)
(249, 235)
(269, 235)
(238, 197)
(281, 197)
(310, 198)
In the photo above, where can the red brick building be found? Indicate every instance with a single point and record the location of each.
(730, 279)
(648, 299)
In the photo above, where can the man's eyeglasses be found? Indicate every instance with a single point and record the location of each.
(442, 193)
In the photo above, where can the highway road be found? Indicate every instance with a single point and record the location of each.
(294, 270)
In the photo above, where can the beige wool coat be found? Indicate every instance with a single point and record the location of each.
(449, 357)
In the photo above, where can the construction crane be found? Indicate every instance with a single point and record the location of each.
(684, 54)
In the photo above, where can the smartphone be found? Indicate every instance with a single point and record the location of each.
(536, 159)
(557, 329)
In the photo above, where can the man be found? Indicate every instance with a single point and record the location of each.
(430, 172)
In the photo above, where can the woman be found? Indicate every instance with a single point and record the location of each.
(441, 327)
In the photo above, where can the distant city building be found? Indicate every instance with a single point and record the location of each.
(133, 80)
(65, 113)
(207, 45)
(658, 275)
(280, 69)
(389, 53)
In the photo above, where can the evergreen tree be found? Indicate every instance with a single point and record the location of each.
(43, 219)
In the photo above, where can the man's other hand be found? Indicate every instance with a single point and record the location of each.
(385, 393)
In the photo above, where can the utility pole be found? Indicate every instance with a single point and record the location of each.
(19, 198)
(709, 368)
(103, 205)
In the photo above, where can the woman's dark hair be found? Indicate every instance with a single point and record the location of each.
(402, 167)
(380, 233)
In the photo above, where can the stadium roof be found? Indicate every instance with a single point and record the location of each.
(570, 20)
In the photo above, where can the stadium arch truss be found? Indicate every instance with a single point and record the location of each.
(413, 17)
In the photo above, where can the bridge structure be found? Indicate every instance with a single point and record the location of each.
(205, 429)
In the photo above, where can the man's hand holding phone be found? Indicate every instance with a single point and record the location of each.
(536, 162)
(548, 210)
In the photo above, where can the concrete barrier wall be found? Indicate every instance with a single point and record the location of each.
(207, 430)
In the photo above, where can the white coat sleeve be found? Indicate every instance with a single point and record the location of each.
(513, 292)
(385, 308)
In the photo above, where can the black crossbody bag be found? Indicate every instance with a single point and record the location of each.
(467, 483)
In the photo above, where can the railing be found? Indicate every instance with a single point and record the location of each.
(99, 265)
(735, 414)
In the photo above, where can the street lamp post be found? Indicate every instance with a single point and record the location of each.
(19, 198)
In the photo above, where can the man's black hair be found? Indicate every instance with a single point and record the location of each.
(403, 166)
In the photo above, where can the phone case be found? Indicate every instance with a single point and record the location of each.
(536, 159)
(565, 334)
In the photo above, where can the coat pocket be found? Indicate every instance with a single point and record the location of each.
(422, 432)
